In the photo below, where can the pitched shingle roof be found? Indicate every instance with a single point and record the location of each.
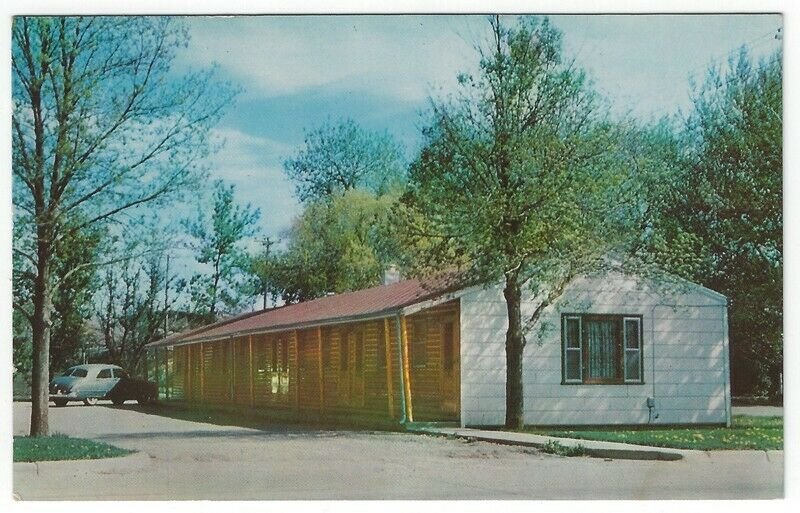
(384, 300)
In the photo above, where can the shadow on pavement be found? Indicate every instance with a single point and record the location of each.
(261, 420)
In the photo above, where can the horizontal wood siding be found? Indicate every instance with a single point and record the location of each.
(216, 365)
(426, 378)
(684, 360)
(241, 371)
(285, 369)
(308, 370)
(195, 369)
(178, 373)
(262, 371)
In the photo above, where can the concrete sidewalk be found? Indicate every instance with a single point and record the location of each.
(595, 448)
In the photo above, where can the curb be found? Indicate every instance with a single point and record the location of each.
(66, 468)
(619, 453)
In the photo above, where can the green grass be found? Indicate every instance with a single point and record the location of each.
(559, 449)
(762, 433)
(60, 447)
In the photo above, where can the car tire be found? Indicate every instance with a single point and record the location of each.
(118, 402)
(60, 402)
(90, 401)
(143, 399)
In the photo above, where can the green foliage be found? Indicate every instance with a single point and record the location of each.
(721, 223)
(72, 300)
(559, 449)
(520, 180)
(217, 243)
(101, 126)
(349, 179)
(261, 271)
(746, 433)
(336, 246)
(342, 156)
(60, 447)
(520, 172)
(76, 280)
(130, 305)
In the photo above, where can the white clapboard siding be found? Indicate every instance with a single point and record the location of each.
(684, 343)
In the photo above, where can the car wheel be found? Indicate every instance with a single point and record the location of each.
(118, 401)
(60, 402)
(143, 399)
(90, 401)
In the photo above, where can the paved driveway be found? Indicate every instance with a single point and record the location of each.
(192, 460)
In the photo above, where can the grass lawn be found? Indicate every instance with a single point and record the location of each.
(747, 432)
(60, 447)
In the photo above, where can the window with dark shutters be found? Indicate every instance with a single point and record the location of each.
(601, 349)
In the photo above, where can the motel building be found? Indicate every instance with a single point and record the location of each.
(615, 348)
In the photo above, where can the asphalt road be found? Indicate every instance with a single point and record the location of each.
(192, 460)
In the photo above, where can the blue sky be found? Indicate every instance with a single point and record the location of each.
(298, 71)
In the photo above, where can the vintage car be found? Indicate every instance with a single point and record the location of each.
(89, 383)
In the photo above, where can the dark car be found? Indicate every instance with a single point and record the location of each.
(89, 383)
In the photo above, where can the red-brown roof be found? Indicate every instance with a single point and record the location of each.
(384, 300)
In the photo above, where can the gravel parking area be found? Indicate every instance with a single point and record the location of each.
(193, 460)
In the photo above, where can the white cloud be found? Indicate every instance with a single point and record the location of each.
(252, 164)
(400, 57)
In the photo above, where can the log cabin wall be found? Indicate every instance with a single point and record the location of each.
(435, 380)
(351, 368)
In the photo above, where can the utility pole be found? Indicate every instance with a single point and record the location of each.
(265, 291)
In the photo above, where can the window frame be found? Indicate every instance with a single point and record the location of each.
(620, 321)
(626, 349)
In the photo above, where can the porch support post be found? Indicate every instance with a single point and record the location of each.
(387, 342)
(406, 368)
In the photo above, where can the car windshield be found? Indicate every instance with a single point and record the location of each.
(80, 373)
(69, 371)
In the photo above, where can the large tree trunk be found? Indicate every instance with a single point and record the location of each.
(40, 330)
(514, 346)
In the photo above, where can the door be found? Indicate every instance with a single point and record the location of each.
(104, 383)
(451, 370)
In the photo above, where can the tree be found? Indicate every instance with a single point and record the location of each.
(343, 156)
(217, 243)
(132, 305)
(725, 212)
(100, 126)
(261, 268)
(335, 246)
(520, 180)
(72, 299)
